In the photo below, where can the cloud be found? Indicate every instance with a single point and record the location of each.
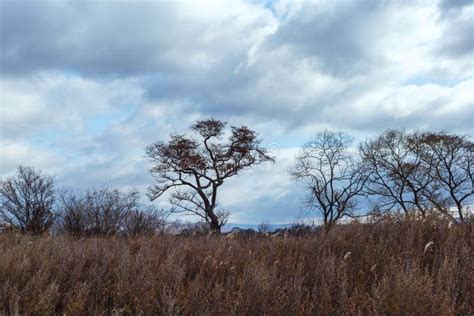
(57, 102)
(124, 38)
(453, 5)
(289, 63)
(458, 33)
(14, 154)
(86, 85)
(329, 34)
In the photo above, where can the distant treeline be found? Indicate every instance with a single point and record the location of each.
(413, 173)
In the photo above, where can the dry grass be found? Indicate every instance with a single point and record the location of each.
(388, 272)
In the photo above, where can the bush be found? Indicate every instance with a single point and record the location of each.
(147, 221)
(108, 212)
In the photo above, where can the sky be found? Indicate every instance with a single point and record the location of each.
(85, 86)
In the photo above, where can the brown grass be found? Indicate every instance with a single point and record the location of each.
(387, 273)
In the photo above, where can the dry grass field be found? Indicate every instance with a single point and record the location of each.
(392, 268)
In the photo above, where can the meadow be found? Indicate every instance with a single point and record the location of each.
(416, 267)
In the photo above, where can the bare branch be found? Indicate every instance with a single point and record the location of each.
(27, 201)
(335, 180)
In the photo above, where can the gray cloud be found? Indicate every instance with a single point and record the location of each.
(239, 61)
(458, 38)
(331, 34)
(117, 39)
(86, 85)
(85, 37)
(449, 5)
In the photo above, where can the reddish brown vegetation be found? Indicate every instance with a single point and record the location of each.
(387, 271)
(193, 170)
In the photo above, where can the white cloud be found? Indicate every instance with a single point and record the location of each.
(59, 102)
(85, 86)
(14, 154)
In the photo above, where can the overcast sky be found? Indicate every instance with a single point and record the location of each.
(86, 85)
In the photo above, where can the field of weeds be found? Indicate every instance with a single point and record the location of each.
(409, 267)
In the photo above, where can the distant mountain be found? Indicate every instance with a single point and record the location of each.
(228, 227)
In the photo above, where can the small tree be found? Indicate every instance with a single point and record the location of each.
(27, 201)
(334, 179)
(101, 211)
(145, 221)
(194, 169)
(397, 175)
(450, 161)
(73, 213)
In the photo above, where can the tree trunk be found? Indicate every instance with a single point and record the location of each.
(459, 206)
(215, 229)
(214, 223)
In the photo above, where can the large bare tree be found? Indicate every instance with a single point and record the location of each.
(334, 178)
(27, 201)
(194, 168)
(397, 175)
(450, 161)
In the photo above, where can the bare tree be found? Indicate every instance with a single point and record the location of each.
(73, 213)
(333, 177)
(145, 221)
(109, 208)
(397, 175)
(193, 170)
(27, 201)
(101, 211)
(450, 160)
